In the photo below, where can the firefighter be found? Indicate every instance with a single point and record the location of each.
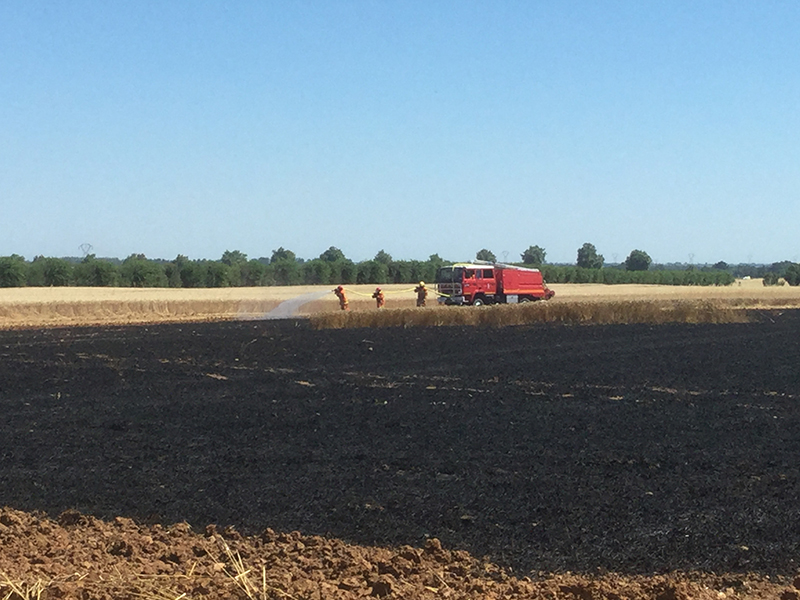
(422, 293)
(343, 304)
(379, 299)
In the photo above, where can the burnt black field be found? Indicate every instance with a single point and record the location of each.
(633, 448)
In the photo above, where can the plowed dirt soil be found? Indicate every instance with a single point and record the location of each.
(653, 461)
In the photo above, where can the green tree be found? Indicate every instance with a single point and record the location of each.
(372, 271)
(233, 257)
(317, 271)
(664, 277)
(588, 258)
(383, 257)
(192, 272)
(45, 271)
(173, 274)
(638, 260)
(34, 274)
(611, 276)
(332, 254)
(400, 271)
(792, 275)
(218, 274)
(378, 272)
(437, 261)
(285, 271)
(12, 271)
(252, 273)
(348, 272)
(780, 267)
(721, 265)
(584, 275)
(138, 271)
(486, 255)
(282, 254)
(534, 255)
(420, 271)
(173, 271)
(95, 273)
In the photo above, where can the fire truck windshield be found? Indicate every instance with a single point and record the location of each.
(449, 275)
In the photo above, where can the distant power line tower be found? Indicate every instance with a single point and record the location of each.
(86, 249)
(505, 255)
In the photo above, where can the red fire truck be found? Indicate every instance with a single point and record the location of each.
(479, 284)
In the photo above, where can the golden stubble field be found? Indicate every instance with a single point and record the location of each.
(71, 306)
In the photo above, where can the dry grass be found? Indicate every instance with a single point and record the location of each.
(598, 312)
(101, 312)
(22, 590)
(51, 307)
(752, 292)
(250, 584)
(575, 303)
(46, 307)
(47, 295)
(149, 587)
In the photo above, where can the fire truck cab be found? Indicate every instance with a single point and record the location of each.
(478, 284)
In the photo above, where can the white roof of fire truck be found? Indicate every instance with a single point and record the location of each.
(484, 265)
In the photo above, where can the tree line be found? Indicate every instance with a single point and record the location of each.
(231, 270)
(283, 267)
(614, 275)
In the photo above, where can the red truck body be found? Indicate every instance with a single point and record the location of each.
(476, 284)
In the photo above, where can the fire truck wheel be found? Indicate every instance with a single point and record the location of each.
(478, 302)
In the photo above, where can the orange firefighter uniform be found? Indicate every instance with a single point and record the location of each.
(379, 299)
(343, 304)
(422, 293)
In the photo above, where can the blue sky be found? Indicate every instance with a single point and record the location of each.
(416, 127)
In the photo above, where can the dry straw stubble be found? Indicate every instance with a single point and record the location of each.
(110, 312)
(589, 312)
